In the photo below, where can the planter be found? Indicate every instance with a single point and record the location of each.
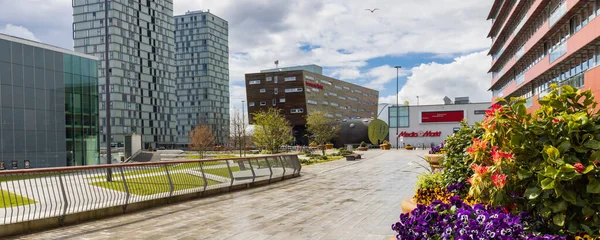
(321, 147)
(362, 148)
(408, 147)
(434, 160)
(328, 146)
(408, 205)
(385, 147)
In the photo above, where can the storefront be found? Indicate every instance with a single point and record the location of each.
(426, 125)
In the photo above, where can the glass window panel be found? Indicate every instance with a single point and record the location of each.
(17, 53)
(29, 98)
(85, 86)
(49, 60)
(19, 138)
(5, 73)
(49, 79)
(28, 79)
(30, 142)
(85, 67)
(29, 119)
(39, 57)
(8, 143)
(41, 141)
(19, 118)
(28, 55)
(18, 97)
(68, 81)
(76, 64)
(77, 84)
(40, 82)
(17, 74)
(59, 61)
(40, 120)
(94, 68)
(5, 50)
(51, 119)
(77, 105)
(59, 81)
(7, 119)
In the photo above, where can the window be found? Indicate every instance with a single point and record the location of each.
(325, 102)
(254, 82)
(289, 79)
(297, 110)
(293, 90)
(275, 79)
(276, 91)
(332, 94)
(269, 79)
(341, 97)
(315, 90)
(326, 82)
(334, 104)
(282, 100)
(338, 87)
(347, 88)
(263, 103)
(312, 102)
(398, 116)
(262, 90)
(309, 77)
(274, 102)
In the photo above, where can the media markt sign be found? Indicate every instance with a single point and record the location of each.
(420, 134)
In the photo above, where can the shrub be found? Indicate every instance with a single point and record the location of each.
(456, 163)
(343, 151)
(363, 144)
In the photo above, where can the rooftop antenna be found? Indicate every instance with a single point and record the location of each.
(276, 63)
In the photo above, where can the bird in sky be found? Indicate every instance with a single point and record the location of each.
(372, 10)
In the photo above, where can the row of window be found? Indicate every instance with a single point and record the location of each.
(288, 79)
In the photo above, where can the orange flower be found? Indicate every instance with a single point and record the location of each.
(480, 170)
(499, 180)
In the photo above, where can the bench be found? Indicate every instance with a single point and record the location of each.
(353, 156)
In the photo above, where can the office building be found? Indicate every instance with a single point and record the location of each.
(536, 43)
(202, 56)
(142, 66)
(49, 106)
(300, 92)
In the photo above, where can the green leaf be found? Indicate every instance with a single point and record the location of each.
(588, 169)
(593, 187)
(523, 174)
(559, 219)
(564, 146)
(593, 144)
(587, 229)
(548, 183)
(587, 211)
(559, 206)
(570, 196)
(595, 155)
(533, 192)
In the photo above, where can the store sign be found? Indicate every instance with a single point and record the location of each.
(442, 116)
(315, 85)
(420, 134)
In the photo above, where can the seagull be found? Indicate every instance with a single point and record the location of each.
(373, 10)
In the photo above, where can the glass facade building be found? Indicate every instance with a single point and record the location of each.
(202, 57)
(49, 106)
(141, 63)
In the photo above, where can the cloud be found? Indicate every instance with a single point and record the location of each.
(18, 31)
(381, 75)
(466, 76)
(237, 94)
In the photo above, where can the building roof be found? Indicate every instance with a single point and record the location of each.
(309, 68)
(45, 46)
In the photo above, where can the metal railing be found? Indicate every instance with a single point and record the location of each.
(34, 194)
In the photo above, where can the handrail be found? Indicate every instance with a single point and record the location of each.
(75, 168)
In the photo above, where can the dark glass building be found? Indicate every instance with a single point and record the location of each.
(49, 105)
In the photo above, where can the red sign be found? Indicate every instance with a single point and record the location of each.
(420, 134)
(319, 86)
(442, 116)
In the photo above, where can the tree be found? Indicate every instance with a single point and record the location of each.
(201, 138)
(238, 131)
(271, 129)
(322, 128)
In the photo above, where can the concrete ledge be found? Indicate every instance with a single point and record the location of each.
(76, 218)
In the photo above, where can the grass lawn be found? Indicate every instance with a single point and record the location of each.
(160, 169)
(9, 199)
(6, 178)
(156, 184)
(223, 172)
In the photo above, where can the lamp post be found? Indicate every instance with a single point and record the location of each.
(244, 126)
(397, 104)
(107, 93)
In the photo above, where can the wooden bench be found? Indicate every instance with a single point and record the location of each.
(352, 157)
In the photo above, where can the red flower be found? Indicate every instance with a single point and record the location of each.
(480, 170)
(595, 162)
(579, 167)
(557, 120)
(499, 180)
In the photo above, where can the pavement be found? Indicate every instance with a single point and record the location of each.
(334, 200)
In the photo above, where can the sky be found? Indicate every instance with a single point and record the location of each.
(441, 45)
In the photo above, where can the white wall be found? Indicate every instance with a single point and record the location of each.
(136, 143)
(447, 129)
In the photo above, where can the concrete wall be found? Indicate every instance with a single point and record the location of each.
(446, 129)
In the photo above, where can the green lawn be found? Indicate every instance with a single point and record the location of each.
(160, 169)
(6, 178)
(9, 199)
(316, 160)
(223, 172)
(156, 184)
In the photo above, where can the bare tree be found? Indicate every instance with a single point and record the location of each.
(238, 130)
(201, 138)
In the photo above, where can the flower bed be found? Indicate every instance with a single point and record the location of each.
(543, 165)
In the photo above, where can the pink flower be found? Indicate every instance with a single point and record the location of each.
(579, 167)
(499, 180)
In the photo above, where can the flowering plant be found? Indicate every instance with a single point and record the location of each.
(458, 220)
(437, 149)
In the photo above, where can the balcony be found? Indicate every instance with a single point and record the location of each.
(557, 14)
(520, 52)
(558, 52)
(520, 79)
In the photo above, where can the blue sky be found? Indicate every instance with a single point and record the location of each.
(441, 45)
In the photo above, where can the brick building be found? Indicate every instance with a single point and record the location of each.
(298, 91)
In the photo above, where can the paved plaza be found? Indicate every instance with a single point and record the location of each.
(335, 200)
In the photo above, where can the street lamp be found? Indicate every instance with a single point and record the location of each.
(397, 104)
(244, 126)
(107, 94)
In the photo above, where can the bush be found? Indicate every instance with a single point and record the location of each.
(456, 163)
(363, 144)
(343, 151)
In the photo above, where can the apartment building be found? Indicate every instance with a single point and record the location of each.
(537, 42)
(142, 67)
(202, 57)
(49, 106)
(300, 92)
